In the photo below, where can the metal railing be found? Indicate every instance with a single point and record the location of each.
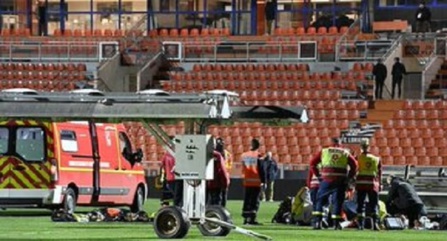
(352, 32)
(146, 71)
(365, 50)
(50, 51)
(250, 51)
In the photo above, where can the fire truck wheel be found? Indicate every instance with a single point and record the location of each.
(70, 200)
(138, 201)
(211, 229)
(171, 223)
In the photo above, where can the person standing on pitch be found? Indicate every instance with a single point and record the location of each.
(334, 180)
(228, 157)
(253, 179)
(368, 184)
(220, 182)
(271, 172)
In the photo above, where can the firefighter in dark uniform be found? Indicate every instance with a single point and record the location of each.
(403, 199)
(334, 179)
(313, 183)
(253, 179)
(368, 184)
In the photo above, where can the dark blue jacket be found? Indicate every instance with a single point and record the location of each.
(270, 169)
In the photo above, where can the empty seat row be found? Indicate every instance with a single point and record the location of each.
(425, 104)
(39, 85)
(413, 151)
(361, 67)
(421, 114)
(19, 32)
(262, 76)
(414, 124)
(174, 33)
(194, 85)
(42, 67)
(250, 67)
(299, 95)
(50, 75)
(427, 132)
(333, 30)
(95, 33)
(411, 142)
(302, 135)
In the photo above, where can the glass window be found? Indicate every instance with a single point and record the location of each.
(30, 143)
(7, 5)
(125, 146)
(68, 141)
(4, 138)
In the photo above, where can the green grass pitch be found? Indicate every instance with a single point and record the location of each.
(26, 224)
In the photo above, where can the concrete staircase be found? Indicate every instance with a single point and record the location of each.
(381, 111)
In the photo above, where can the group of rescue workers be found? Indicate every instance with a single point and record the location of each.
(334, 171)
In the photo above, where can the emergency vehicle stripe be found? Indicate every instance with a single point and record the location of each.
(5, 161)
(37, 175)
(4, 169)
(31, 177)
(16, 182)
(23, 179)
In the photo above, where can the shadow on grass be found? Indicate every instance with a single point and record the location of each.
(92, 239)
(25, 213)
(105, 226)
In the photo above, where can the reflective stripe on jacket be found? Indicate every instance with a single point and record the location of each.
(250, 169)
(334, 163)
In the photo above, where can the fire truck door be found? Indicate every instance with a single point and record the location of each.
(4, 163)
(30, 169)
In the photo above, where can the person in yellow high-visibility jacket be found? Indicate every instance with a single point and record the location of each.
(338, 167)
(368, 184)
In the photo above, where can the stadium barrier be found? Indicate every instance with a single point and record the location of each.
(50, 51)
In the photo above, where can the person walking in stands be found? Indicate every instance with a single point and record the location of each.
(423, 19)
(253, 179)
(271, 172)
(368, 184)
(380, 72)
(220, 147)
(42, 18)
(334, 179)
(403, 199)
(270, 15)
(221, 179)
(398, 72)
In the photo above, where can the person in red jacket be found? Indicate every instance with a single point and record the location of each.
(331, 166)
(313, 184)
(368, 185)
(172, 184)
(220, 182)
(253, 179)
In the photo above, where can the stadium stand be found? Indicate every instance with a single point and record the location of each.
(408, 132)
